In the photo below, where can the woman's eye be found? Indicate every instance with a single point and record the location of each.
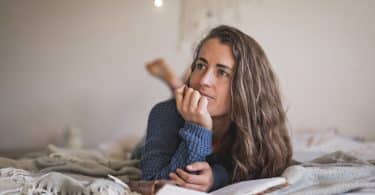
(200, 66)
(223, 73)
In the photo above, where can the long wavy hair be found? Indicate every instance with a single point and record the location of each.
(260, 144)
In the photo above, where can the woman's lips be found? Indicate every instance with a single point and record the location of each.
(208, 96)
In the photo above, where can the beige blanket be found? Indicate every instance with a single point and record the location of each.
(66, 171)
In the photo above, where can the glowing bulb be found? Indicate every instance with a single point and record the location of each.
(158, 3)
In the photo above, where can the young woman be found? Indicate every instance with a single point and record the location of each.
(227, 124)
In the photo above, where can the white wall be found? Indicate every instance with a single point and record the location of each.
(323, 52)
(81, 63)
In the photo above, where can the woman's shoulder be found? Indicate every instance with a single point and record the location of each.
(165, 114)
(167, 105)
(166, 108)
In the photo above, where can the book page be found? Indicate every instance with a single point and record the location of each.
(250, 187)
(173, 190)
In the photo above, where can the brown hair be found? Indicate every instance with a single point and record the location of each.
(261, 146)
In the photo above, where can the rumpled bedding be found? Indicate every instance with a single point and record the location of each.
(18, 181)
(350, 170)
(335, 173)
(310, 144)
(64, 171)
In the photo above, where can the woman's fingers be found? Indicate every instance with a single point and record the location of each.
(203, 112)
(193, 106)
(194, 101)
(191, 178)
(186, 99)
(176, 179)
(190, 100)
(198, 166)
(202, 105)
(179, 94)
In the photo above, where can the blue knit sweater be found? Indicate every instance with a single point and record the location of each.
(173, 143)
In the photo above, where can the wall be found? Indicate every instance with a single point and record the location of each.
(81, 64)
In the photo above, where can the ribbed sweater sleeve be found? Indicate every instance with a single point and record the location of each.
(169, 146)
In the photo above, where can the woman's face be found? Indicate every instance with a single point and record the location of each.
(212, 76)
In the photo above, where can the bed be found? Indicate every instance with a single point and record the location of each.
(326, 162)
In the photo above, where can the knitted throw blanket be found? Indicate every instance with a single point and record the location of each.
(63, 171)
(334, 173)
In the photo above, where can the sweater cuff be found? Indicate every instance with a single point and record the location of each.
(197, 130)
(197, 137)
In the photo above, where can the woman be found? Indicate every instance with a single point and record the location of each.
(227, 124)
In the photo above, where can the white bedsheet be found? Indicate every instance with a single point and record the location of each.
(308, 145)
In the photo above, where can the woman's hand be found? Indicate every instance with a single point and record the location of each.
(192, 106)
(201, 182)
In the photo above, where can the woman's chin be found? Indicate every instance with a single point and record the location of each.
(213, 113)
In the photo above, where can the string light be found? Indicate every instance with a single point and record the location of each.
(158, 3)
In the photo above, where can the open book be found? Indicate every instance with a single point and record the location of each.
(242, 188)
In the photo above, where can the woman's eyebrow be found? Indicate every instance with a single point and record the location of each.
(218, 65)
(202, 59)
(223, 66)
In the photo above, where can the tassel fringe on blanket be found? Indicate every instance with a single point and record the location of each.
(18, 181)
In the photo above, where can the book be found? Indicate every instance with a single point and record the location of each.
(169, 189)
(255, 186)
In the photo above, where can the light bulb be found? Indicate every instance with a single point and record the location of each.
(158, 3)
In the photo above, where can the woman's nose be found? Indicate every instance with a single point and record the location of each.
(207, 79)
